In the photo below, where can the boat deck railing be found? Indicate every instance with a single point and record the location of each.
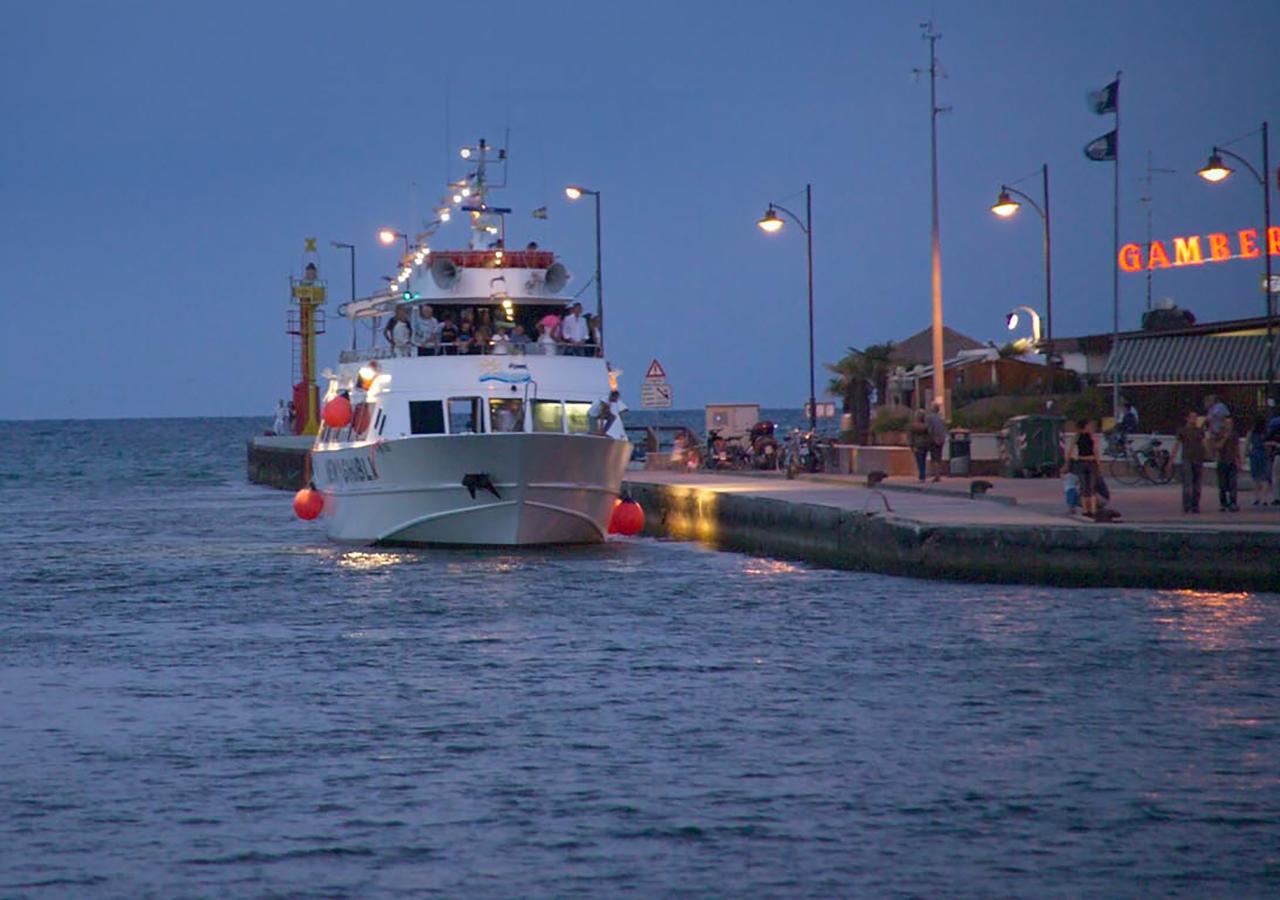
(461, 348)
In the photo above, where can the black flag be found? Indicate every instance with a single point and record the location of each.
(1103, 149)
(1106, 100)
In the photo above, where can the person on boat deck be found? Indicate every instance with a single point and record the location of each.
(594, 336)
(546, 341)
(519, 340)
(608, 416)
(399, 332)
(466, 337)
(482, 342)
(282, 417)
(574, 330)
(500, 342)
(448, 336)
(426, 331)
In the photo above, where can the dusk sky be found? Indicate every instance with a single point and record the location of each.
(160, 165)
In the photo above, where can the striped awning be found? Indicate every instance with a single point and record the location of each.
(1188, 359)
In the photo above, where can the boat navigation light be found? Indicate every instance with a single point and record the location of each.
(466, 192)
(457, 198)
(573, 192)
(444, 215)
(465, 152)
(769, 221)
(387, 236)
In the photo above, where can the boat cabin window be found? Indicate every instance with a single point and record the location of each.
(579, 416)
(466, 415)
(506, 414)
(548, 415)
(426, 417)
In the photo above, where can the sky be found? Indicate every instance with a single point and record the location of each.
(161, 164)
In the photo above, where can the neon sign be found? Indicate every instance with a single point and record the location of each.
(1192, 251)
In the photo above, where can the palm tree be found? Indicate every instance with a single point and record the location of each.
(856, 373)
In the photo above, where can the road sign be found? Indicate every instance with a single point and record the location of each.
(656, 372)
(825, 410)
(655, 394)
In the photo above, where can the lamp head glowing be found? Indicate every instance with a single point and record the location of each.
(457, 198)
(387, 236)
(770, 221)
(573, 192)
(465, 152)
(1005, 206)
(1011, 320)
(1214, 170)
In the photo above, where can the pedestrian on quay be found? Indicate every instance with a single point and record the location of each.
(1225, 449)
(1273, 448)
(1190, 443)
(937, 438)
(1216, 413)
(919, 440)
(1259, 462)
(1086, 461)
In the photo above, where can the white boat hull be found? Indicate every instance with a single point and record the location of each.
(550, 489)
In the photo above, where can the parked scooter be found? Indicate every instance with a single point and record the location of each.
(765, 451)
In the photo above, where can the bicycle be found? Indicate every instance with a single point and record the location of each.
(1151, 462)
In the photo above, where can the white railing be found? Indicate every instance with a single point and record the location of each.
(459, 348)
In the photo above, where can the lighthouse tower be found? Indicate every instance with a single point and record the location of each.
(305, 321)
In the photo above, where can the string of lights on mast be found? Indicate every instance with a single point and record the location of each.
(467, 194)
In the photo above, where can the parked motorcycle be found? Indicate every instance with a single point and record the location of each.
(765, 450)
(803, 453)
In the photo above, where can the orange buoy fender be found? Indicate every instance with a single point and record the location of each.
(613, 515)
(337, 412)
(308, 503)
(628, 518)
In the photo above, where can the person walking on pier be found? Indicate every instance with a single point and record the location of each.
(1225, 447)
(1190, 441)
(920, 441)
(937, 438)
(1087, 466)
(1260, 463)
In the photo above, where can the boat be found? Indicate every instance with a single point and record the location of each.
(475, 437)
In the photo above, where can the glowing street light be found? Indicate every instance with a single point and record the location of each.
(388, 236)
(577, 192)
(1215, 171)
(771, 223)
(1006, 207)
(1012, 321)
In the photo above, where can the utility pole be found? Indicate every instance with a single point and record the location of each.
(1147, 200)
(939, 376)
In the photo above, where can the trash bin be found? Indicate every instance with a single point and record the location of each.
(1032, 446)
(960, 452)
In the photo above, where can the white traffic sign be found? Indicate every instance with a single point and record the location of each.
(656, 372)
(655, 394)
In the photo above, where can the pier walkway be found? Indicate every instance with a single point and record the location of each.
(1020, 531)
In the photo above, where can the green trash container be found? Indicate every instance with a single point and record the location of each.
(1032, 447)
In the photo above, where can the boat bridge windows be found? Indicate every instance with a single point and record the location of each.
(506, 414)
(466, 415)
(426, 417)
(548, 416)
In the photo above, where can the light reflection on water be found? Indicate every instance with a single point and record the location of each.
(1210, 620)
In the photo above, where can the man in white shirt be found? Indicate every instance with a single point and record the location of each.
(574, 330)
(608, 416)
(426, 331)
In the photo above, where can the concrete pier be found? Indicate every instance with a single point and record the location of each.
(278, 460)
(939, 532)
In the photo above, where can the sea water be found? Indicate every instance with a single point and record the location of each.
(200, 696)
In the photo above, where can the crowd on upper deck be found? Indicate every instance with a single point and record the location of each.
(416, 331)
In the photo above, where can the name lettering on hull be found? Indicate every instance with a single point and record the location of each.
(349, 470)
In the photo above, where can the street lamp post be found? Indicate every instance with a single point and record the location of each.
(1215, 171)
(339, 245)
(1005, 206)
(771, 223)
(575, 192)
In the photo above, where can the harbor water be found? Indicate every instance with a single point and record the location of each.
(200, 696)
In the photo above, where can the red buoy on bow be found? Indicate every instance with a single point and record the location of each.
(613, 515)
(337, 412)
(308, 503)
(627, 518)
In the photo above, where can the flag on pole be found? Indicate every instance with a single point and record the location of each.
(1106, 100)
(1103, 149)
(540, 212)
